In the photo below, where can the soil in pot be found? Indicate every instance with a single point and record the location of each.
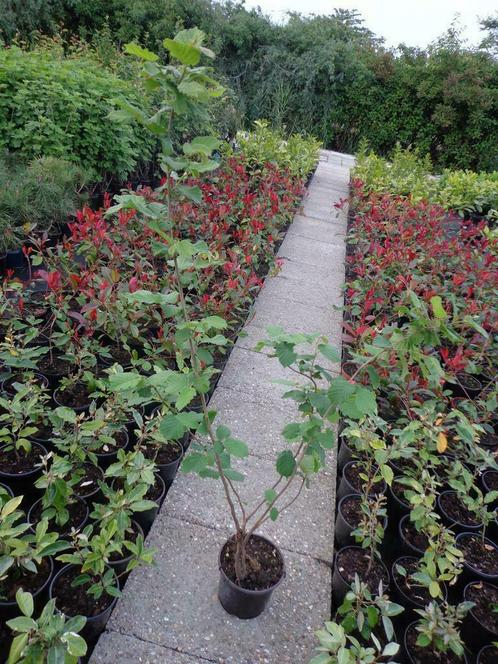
(165, 454)
(264, 561)
(28, 581)
(21, 462)
(485, 597)
(8, 383)
(419, 655)
(488, 655)
(76, 396)
(489, 441)
(456, 515)
(121, 441)
(88, 485)
(73, 601)
(78, 515)
(408, 591)
(414, 541)
(54, 366)
(44, 433)
(354, 560)
(465, 385)
(351, 474)
(480, 555)
(490, 480)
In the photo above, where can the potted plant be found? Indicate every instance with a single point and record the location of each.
(50, 637)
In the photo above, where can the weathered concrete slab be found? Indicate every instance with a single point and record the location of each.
(175, 603)
(170, 613)
(312, 512)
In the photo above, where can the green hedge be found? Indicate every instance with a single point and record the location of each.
(59, 108)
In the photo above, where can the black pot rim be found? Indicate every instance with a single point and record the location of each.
(489, 646)
(483, 477)
(13, 603)
(82, 500)
(404, 519)
(401, 591)
(353, 495)
(343, 475)
(44, 379)
(410, 658)
(358, 548)
(89, 619)
(248, 591)
(97, 489)
(7, 489)
(477, 527)
(394, 496)
(114, 451)
(28, 473)
(484, 575)
(475, 583)
(77, 409)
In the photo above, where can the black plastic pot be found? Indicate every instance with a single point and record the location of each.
(169, 470)
(398, 594)
(342, 528)
(7, 489)
(340, 585)
(146, 519)
(470, 573)
(10, 610)
(106, 458)
(411, 659)
(17, 262)
(3, 264)
(475, 634)
(6, 388)
(77, 409)
(487, 655)
(94, 624)
(486, 483)
(23, 483)
(242, 602)
(465, 385)
(406, 545)
(119, 566)
(344, 455)
(456, 526)
(345, 487)
(62, 532)
(91, 495)
(397, 508)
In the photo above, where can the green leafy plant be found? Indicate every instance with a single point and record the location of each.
(438, 627)
(337, 647)
(50, 637)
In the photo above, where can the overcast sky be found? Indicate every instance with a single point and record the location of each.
(415, 23)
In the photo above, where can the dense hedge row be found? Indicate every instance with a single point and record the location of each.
(328, 76)
(60, 107)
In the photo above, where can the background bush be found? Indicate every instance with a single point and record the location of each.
(323, 75)
(59, 107)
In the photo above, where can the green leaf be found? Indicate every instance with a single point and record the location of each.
(292, 431)
(387, 474)
(17, 647)
(237, 447)
(134, 49)
(286, 464)
(185, 53)
(21, 624)
(270, 495)
(273, 514)
(194, 462)
(222, 432)
(171, 427)
(25, 602)
(75, 644)
(234, 475)
(285, 353)
(390, 649)
(329, 352)
(437, 307)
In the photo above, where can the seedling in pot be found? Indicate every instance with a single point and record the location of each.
(24, 554)
(20, 417)
(337, 647)
(370, 531)
(50, 637)
(471, 496)
(438, 629)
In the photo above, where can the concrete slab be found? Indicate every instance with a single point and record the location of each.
(175, 603)
(302, 291)
(330, 232)
(312, 252)
(312, 513)
(114, 647)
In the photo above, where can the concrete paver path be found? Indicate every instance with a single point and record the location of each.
(170, 614)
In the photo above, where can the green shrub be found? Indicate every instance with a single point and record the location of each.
(57, 107)
(36, 196)
(408, 174)
(299, 154)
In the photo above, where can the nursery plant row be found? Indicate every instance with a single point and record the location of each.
(415, 574)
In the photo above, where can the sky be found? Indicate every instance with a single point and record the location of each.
(415, 23)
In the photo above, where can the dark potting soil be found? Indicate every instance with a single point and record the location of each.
(416, 539)
(485, 597)
(398, 490)
(28, 581)
(428, 656)
(490, 656)
(121, 440)
(89, 482)
(492, 480)
(353, 472)
(478, 554)
(456, 511)
(20, 462)
(468, 382)
(54, 365)
(356, 561)
(76, 601)
(77, 396)
(20, 378)
(77, 514)
(351, 511)
(489, 440)
(119, 354)
(264, 563)
(155, 491)
(166, 453)
(44, 431)
(416, 593)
